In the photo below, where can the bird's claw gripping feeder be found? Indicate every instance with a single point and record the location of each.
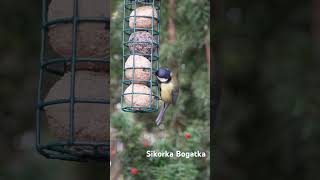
(141, 36)
(73, 92)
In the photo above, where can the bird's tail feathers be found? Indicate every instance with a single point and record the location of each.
(161, 113)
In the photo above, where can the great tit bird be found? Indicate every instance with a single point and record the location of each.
(169, 90)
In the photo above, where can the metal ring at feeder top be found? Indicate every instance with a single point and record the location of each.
(155, 3)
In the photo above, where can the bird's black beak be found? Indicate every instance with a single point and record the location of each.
(155, 73)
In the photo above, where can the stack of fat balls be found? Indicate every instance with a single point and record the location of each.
(91, 79)
(142, 43)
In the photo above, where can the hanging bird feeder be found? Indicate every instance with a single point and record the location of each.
(73, 93)
(141, 36)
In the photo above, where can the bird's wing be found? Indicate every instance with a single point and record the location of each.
(175, 94)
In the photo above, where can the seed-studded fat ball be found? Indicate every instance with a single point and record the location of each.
(141, 42)
(92, 38)
(138, 95)
(143, 22)
(141, 71)
(90, 119)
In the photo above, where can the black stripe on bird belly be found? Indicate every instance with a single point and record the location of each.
(166, 92)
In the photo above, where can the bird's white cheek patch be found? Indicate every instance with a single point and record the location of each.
(162, 79)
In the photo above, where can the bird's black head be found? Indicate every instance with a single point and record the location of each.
(163, 75)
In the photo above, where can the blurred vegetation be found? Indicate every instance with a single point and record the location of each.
(130, 132)
(268, 126)
(187, 57)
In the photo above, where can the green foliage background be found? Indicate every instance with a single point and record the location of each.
(191, 114)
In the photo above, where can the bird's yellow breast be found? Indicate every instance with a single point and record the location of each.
(166, 92)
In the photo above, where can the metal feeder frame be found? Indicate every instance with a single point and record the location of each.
(153, 57)
(61, 150)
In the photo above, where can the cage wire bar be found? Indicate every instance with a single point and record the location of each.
(128, 7)
(62, 150)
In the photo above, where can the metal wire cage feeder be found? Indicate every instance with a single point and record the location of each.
(69, 148)
(137, 48)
